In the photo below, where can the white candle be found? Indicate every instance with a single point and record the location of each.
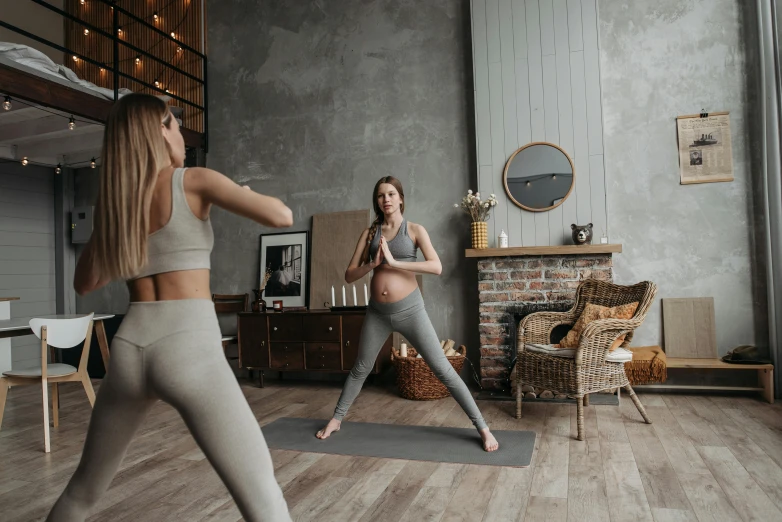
(333, 301)
(355, 301)
(403, 350)
(343, 295)
(366, 296)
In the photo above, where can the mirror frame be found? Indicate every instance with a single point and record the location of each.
(510, 160)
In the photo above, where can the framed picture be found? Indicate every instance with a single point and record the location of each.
(285, 256)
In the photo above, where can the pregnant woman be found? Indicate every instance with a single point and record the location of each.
(389, 249)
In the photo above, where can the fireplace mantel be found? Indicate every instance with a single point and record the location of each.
(560, 250)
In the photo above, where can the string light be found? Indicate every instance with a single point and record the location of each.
(58, 168)
(154, 15)
(71, 123)
(119, 30)
(7, 103)
(92, 163)
(528, 183)
(553, 176)
(173, 34)
(86, 32)
(138, 59)
(157, 83)
(75, 58)
(24, 161)
(179, 49)
(81, 2)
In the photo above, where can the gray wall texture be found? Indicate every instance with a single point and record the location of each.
(659, 60)
(314, 101)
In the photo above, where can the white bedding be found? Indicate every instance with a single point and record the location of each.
(35, 59)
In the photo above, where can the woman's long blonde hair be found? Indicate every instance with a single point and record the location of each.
(134, 152)
(379, 215)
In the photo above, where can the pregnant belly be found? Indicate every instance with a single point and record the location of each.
(390, 284)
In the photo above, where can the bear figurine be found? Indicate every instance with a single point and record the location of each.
(582, 234)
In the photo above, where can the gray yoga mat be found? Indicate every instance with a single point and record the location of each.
(393, 441)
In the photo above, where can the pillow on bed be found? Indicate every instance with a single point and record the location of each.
(26, 55)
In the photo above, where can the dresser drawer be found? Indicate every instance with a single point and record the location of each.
(253, 349)
(323, 356)
(287, 356)
(285, 327)
(321, 327)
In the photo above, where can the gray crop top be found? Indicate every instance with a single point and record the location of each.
(402, 246)
(185, 242)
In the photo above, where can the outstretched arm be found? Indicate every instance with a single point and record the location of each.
(86, 277)
(220, 190)
(356, 270)
(432, 264)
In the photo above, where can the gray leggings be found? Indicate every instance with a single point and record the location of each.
(408, 317)
(171, 351)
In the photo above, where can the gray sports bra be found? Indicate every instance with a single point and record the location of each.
(185, 242)
(402, 246)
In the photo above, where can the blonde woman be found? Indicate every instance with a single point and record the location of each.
(152, 229)
(388, 249)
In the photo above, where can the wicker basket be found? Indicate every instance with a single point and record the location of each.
(416, 380)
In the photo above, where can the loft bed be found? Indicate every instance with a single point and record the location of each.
(107, 64)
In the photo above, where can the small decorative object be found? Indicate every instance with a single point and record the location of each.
(285, 256)
(403, 350)
(603, 237)
(259, 305)
(355, 300)
(344, 302)
(277, 306)
(366, 295)
(582, 234)
(479, 212)
(502, 239)
(539, 176)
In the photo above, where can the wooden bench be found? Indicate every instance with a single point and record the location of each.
(765, 376)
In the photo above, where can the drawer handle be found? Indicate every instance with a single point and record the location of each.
(286, 364)
(275, 328)
(322, 365)
(330, 328)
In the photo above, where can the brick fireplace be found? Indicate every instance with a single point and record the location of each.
(524, 280)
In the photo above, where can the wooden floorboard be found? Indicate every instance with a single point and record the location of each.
(705, 458)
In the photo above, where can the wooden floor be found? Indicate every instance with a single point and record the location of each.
(704, 458)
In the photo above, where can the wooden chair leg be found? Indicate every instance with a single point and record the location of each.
(56, 405)
(3, 395)
(638, 404)
(45, 393)
(586, 399)
(87, 383)
(580, 418)
(518, 400)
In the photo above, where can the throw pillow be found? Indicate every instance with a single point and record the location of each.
(593, 312)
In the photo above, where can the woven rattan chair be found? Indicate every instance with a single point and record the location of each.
(588, 372)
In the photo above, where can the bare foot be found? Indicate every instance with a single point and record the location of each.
(330, 428)
(489, 442)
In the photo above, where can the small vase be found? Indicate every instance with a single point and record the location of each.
(480, 234)
(259, 305)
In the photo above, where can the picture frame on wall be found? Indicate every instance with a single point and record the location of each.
(286, 255)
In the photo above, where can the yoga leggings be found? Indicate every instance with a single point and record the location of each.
(408, 317)
(171, 351)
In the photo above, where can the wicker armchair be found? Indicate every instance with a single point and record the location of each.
(588, 372)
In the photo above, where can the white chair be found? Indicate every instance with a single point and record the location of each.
(56, 333)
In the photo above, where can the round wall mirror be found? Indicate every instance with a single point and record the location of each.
(539, 176)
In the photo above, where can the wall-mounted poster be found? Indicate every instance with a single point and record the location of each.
(705, 154)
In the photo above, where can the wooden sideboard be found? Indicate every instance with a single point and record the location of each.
(311, 341)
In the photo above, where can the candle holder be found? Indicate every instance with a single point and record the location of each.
(345, 308)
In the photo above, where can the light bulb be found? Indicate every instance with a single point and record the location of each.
(138, 60)
(167, 90)
(179, 49)
(57, 169)
(86, 32)
(119, 30)
(92, 163)
(154, 15)
(71, 123)
(528, 183)
(75, 58)
(173, 34)
(7, 103)
(81, 2)
(553, 176)
(157, 83)
(24, 161)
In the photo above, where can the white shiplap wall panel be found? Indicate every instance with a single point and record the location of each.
(537, 78)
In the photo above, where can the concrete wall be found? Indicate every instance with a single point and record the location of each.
(35, 19)
(659, 60)
(314, 101)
